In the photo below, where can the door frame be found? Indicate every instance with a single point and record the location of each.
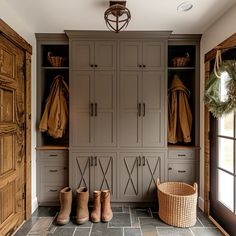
(229, 42)
(16, 39)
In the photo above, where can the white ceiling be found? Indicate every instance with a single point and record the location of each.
(58, 15)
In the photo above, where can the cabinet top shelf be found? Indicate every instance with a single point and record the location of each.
(181, 68)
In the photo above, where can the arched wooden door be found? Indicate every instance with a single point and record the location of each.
(12, 135)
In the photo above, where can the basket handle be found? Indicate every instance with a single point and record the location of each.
(158, 181)
(195, 187)
(49, 55)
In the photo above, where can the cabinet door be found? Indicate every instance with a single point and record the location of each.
(82, 55)
(130, 104)
(105, 108)
(130, 176)
(130, 55)
(105, 172)
(81, 165)
(81, 119)
(152, 167)
(105, 55)
(153, 55)
(153, 109)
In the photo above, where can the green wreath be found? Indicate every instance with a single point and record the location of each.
(212, 90)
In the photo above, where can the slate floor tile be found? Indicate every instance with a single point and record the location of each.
(173, 232)
(120, 220)
(26, 227)
(63, 232)
(117, 209)
(100, 229)
(132, 232)
(204, 220)
(152, 222)
(82, 232)
(206, 231)
(42, 225)
(137, 213)
(46, 211)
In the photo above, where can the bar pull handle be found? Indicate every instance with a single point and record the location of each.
(169, 168)
(53, 190)
(139, 160)
(53, 155)
(144, 109)
(181, 171)
(96, 109)
(53, 171)
(91, 160)
(91, 109)
(181, 155)
(144, 160)
(96, 161)
(139, 109)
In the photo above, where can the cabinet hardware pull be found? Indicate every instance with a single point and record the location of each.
(144, 109)
(169, 168)
(139, 109)
(95, 161)
(53, 170)
(181, 171)
(91, 109)
(65, 168)
(144, 66)
(181, 155)
(91, 159)
(53, 190)
(53, 155)
(96, 65)
(96, 109)
(139, 160)
(140, 66)
(144, 161)
(91, 65)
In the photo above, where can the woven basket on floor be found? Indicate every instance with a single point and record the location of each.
(177, 203)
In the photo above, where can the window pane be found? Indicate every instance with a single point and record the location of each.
(226, 154)
(226, 189)
(226, 125)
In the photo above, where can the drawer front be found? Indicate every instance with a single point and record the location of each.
(189, 154)
(55, 174)
(52, 154)
(182, 172)
(50, 193)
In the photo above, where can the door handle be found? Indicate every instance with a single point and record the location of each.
(95, 161)
(144, 160)
(96, 109)
(91, 109)
(144, 109)
(139, 160)
(139, 109)
(91, 160)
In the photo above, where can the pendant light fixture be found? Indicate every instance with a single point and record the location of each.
(117, 16)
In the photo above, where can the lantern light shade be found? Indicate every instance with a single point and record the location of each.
(117, 16)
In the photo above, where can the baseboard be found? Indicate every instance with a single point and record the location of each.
(201, 203)
(34, 205)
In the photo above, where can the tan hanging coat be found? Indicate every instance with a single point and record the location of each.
(179, 113)
(55, 117)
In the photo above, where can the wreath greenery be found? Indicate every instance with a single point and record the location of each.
(212, 90)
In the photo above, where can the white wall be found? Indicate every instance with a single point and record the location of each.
(223, 28)
(11, 17)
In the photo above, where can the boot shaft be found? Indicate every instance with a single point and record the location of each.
(82, 197)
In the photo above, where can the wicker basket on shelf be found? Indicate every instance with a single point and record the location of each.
(181, 61)
(177, 203)
(55, 61)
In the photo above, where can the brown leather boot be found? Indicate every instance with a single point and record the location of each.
(96, 213)
(106, 206)
(65, 202)
(82, 213)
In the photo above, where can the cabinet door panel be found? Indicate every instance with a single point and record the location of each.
(130, 97)
(153, 112)
(80, 171)
(82, 94)
(105, 55)
(105, 102)
(82, 55)
(130, 176)
(105, 172)
(130, 55)
(153, 55)
(152, 167)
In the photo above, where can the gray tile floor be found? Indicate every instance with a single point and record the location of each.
(126, 221)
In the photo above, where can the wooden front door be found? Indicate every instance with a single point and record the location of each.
(12, 136)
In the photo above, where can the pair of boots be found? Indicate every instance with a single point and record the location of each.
(101, 206)
(82, 213)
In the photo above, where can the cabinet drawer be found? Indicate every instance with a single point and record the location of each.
(50, 193)
(183, 172)
(55, 174)
(52, 154)
(182, 154)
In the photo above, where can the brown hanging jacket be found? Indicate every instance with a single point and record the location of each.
(55, 116)
(179, 112)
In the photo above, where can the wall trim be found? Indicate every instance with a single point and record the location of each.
(34, 204)
(201, 203)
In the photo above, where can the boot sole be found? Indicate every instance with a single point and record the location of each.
(96, 221)
(107, 220)
(81, 221)
(63, 222)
